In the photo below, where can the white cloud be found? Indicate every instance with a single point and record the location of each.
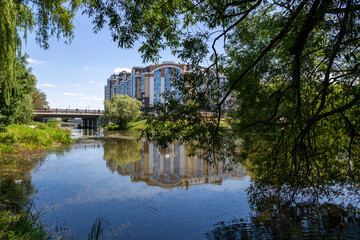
(76, 85)
(86, 98)
(86, 68)
(117, 70)
(29, 60)
(73, 94)
(91, 81)
(97, 99)
(47, 85)
(92, 98)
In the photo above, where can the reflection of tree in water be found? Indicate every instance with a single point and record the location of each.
(302, 221)
(15, 196)
(16, 189)
(122, 152)
(286, 212)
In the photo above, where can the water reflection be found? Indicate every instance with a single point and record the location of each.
(276, 216)
(80, 177)
(16, 189)
(173, 168)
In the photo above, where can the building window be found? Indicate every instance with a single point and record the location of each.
(143, 83)
(157, 85)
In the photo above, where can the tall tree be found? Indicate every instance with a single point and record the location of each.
(39, 99)
(121, 109)
(293, 67)
(47, 18)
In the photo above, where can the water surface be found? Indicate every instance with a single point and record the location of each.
(143, 193)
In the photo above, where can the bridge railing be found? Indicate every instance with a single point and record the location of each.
(68, 110)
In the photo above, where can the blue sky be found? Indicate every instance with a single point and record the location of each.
(74, 75)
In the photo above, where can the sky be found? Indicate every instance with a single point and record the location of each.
(73, 76)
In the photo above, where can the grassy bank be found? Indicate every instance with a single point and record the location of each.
(139, 125)
(19, 139)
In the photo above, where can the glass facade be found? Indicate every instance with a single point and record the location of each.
(121, 88)
(177, 75)
(168, 73)
(134, 88)
(143, 83)
(129, 87)
(157, 86)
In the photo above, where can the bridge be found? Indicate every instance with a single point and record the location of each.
(90, 117)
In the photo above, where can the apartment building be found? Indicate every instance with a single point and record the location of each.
(145, 83)
(148, 83)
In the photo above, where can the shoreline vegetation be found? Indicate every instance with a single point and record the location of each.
(24, 141)
(131, 126)
(20, 139)
(141, 125)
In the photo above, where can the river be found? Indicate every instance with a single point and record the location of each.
(139, 192)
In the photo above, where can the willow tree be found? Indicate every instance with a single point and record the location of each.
(46, 18)
(292, 69)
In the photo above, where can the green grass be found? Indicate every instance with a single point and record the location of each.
(18, 138)
(20, 226)
(139, 125)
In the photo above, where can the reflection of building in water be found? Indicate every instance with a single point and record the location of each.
(173, 168)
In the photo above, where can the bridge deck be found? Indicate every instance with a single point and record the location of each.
(72, 113)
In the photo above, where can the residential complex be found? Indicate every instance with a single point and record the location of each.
(148, 83)
(145, 83)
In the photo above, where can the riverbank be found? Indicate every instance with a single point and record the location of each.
(141, 125)
(20, 226)
(138, 125)
(18, 145)
(19, 139)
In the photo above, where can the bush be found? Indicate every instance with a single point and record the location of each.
(19, 138)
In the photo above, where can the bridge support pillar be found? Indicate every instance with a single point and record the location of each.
(90, 123)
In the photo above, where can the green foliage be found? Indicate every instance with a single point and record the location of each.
(21, 226)
(292, 70)
(19, 138)
(48, 18)
(17, 106)
(24, 111)
(39, 99)
(139, 125)
(122, 109)
(66, 119)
